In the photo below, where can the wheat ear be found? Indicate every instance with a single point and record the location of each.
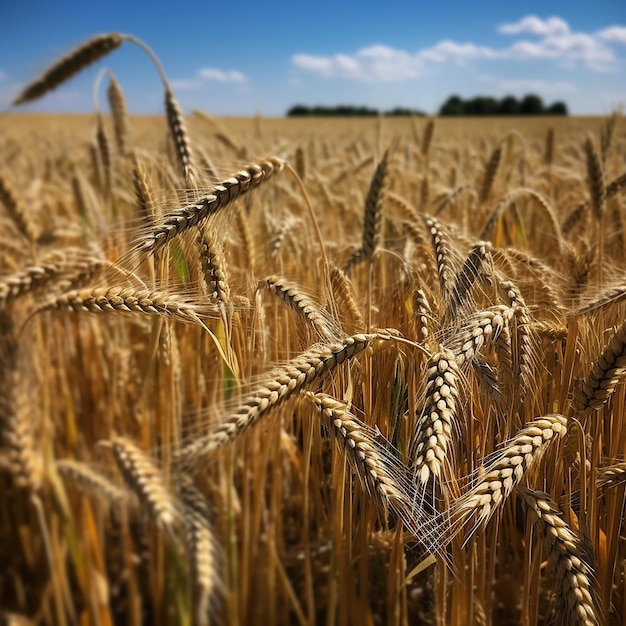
(16, 208)
(280, 385)
(143, 194)
(372, 220)
(121, 124)
(366, 457)
(344, 297)
(476, 330)
(606, 373)
(90, 481)
(567, 556)
(595, 175)
(15, 429)
(478, 265)
(142, 475)
(498, 478)
(75, 61)
(298, 301)
(491, 170)
(213, 263)
(433, 430)
(128, 300)
(70, 264)
(203, 549)
(182, 219)
(178, 132)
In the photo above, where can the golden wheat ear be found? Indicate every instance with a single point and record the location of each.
(70, 65)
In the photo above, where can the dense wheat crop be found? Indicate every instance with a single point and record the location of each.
(299, 372)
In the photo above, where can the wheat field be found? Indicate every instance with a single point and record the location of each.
(291, 371)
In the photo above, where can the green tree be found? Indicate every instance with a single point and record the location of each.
(532, 105)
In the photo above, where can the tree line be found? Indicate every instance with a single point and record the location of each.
(530, 104)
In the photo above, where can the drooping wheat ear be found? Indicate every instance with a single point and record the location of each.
(525, 344)
(344, 297)
(178, 132)
(373, 215)
(433, 429)
(427, 137)
(182, 219)
(280, 385)
(544, 276)
(550, 330)
(15, 428)
(120, 299)
(363, 453)
(121, 124)
(143, 194)
(443, 255)
(575, 217)
(540, 201)
(450, 198)
(491, 170)
(71, 264)
(422, 314)
(476, 330)
(477, 266)
(298, 301)
(300, 163)
(612, 475)
(606, 373)
(606, 134)
(213, 263)
(76, 60)
(142, 475)
(548, 154)
(567, 556)
(203, 549)
(90, 481)
(16, 208)
(407, 211)
(611, 295)
(497, 479)
(595, 176)
(106, 156)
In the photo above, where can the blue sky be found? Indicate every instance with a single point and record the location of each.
(240, 58)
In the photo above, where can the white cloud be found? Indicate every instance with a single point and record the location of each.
(212, 73)
(536, 26)
(556, 42)
(615, 34)
(209, 73)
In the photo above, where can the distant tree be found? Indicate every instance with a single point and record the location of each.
(298, 110)
(400, 111)
(453, 106)
(557, 108)
(509, 105)
(531, 105)
(482, 105)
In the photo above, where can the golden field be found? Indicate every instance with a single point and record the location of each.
(332, 371)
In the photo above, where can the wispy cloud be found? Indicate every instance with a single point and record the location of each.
(536, 26)
(554, 42)
(210, 74)
(529, 85)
